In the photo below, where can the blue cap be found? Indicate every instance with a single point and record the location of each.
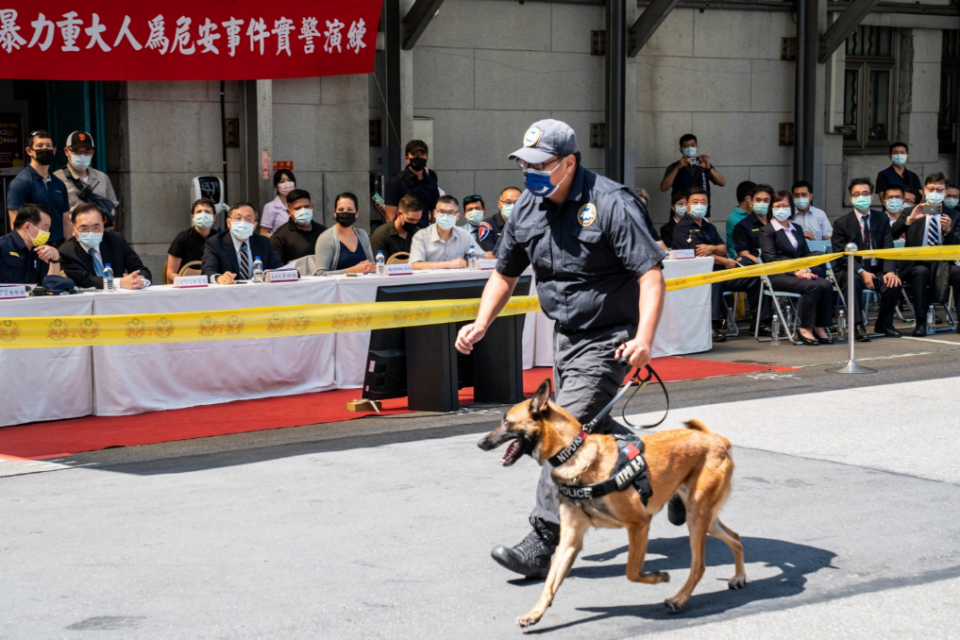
(546, 139)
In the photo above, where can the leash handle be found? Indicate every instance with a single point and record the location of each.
(641, 383)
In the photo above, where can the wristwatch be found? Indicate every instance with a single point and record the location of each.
(57, 261)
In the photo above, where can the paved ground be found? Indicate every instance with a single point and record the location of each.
(846, 495)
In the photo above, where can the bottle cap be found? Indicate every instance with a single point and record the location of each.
(256, 257)
(379, 252)
(107, 265)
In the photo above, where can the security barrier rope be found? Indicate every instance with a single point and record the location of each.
(300, 320)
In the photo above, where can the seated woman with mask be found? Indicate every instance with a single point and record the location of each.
(780, 239)
(344, 248)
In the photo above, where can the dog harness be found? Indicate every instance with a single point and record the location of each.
(630, 470)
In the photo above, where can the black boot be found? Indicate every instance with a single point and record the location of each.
(676, 511)
(531, 558)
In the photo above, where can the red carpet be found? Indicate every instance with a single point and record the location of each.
(55, 439)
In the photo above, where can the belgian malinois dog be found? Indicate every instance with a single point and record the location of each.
(694, 463)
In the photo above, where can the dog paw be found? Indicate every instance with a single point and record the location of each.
(527, 621)
(663, 575)
(673, 605)
(737, 582)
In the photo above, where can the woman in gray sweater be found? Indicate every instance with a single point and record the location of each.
(342, 248)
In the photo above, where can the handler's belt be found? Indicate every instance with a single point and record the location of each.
(631, 469)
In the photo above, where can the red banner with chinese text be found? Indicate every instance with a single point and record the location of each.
(186, 39)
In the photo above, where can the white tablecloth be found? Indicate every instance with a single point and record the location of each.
(153, 377)
(685, 323)
(49, 383)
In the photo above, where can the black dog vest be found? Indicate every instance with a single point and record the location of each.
(630, 470)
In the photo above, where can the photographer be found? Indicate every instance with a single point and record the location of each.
(693, 169)
(930, 224)
(84, 183)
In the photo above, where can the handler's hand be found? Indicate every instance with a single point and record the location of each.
(636, 353)
(469, 336)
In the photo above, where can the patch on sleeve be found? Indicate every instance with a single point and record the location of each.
(587, 214)
(484, 230)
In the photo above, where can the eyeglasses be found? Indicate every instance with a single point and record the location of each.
(537, 166)
(448, 212)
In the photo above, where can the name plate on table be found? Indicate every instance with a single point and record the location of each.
(189, 282)
(683, 254)
(487, 264)
(282, 275)
(13, 292)
(400, 269)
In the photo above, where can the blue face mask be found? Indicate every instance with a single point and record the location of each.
(698, 210)
(951, 202)
(446, 221)
(899, 159)
(801, 203)
(781, 213)
(241, 229)
(90, 240)
(681, 210)
(761, 208)
(475, 216)
(861, 203)
(894, 205)
(303, 217)
(690, 152)
(538, 182)
(934, 197)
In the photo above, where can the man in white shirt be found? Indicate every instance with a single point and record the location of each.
(813, 221)
(442, 245)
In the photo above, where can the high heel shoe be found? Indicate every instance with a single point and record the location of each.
(827, 340)
(808, 341)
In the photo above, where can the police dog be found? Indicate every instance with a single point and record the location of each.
(694, 463)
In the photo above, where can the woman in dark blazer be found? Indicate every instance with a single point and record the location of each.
(780, 239)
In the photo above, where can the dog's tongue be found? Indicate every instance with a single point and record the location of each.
(511, 449)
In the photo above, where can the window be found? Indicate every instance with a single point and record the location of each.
(868, 89)
(949, 77)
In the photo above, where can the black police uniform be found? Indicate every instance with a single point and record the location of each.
(426, 190)
(746, 237)
(490, 230)
(588, 255)
(18, 264)
(688, 235)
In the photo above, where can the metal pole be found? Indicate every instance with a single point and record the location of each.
(223, 141)
(851, 366)
(800, 67)
(616, 90)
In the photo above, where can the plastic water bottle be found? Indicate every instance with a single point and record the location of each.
(788, 319)
(775, 329)
(257, 269)
(473, 262)
(842, 324)
(381, 264)
(931, 320)
(108, 284)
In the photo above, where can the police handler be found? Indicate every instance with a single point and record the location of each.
(598, 276)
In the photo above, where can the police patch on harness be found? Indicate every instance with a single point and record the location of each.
(630, 470)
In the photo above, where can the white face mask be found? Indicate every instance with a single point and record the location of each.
(934, 197)
(80, 162)
(781, 213)
(203, 220)
(303, 217)
(90, 240)
(286, 187)
(241, 229)
(690, 152)
(475, 216)
(446, 221)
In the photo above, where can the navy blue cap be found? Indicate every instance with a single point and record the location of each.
(546, 139)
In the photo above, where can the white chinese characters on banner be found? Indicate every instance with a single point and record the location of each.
(183, 42)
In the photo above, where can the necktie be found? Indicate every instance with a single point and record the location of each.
(866, 233)
(244, 262)
(933, 232)
(97, 264)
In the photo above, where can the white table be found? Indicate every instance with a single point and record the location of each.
(153, 377)
(50, 383)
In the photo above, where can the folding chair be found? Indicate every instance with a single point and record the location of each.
(400, 257)
(190, 269)
(730, 311)
(766, 289)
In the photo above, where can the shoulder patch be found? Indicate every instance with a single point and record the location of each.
(532, 137)
(15, 254)
(484, 230)
(587, 214)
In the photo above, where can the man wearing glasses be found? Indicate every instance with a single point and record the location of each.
(492, 226)
(442, 245)
(598, 276)
(84, 183)
(36, 185)
(228, 256)
(92, 248)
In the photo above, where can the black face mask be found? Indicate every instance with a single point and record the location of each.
(410, 227)
(346, 219)
(418, 164)
(44, 156)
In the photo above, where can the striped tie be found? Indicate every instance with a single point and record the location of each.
(933, 233)
(244, 262)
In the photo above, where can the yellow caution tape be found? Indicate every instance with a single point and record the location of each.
(302, 320)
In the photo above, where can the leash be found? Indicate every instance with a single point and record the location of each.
(642, 381)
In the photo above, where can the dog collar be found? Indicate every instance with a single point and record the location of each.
(567, 452)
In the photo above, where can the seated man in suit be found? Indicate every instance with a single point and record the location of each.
(228, 256)
(693, 232)
(867, 229)
(84, 256)
(929, 230)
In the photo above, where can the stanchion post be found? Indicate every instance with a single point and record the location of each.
(852, 319)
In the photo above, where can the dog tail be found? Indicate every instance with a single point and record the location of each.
(696, 425)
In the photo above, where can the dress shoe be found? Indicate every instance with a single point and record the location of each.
(676, 511)
(531, 558)
(719, 335)
(810, 342)
(827, 340)
(765, 330)
(887, 330)
(860, 333)
(920, 331)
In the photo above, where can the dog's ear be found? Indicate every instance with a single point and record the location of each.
(539, 402)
